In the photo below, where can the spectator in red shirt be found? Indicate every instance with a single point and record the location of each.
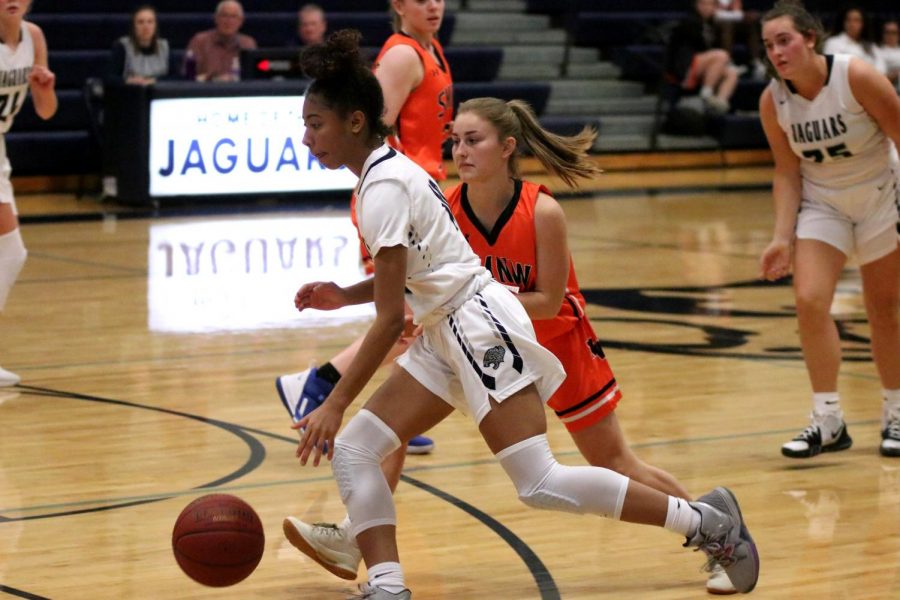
(213, 55)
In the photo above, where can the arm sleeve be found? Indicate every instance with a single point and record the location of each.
(384, 215)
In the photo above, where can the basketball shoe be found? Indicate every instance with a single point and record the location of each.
(8, 378)
(724, 538)
(370, 592)
(826, 433)
(890, 433)
(303, 392)
(718, 582)
(329, 545)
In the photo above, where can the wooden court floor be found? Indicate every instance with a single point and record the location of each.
(148, 350)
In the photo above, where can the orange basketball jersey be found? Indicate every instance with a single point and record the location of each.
(509, 252)
(424, 120)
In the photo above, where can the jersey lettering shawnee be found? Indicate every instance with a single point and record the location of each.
(509, 252)
(839, 144)
(424, 120)
(398, 204)
(15, 68)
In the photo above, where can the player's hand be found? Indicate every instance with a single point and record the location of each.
(775, 261)
(321, 295)
(410, 331)
(42, 77)
(319, 430)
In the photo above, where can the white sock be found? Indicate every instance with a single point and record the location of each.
(706, 92)
(682, 518)
(891, 404)
(345, 524)
(827, 403)
(388, 576)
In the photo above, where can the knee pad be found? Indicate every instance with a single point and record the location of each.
(542, 482)
(12, 259)
(358, 453)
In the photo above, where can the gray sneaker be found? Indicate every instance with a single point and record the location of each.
(724, 538)
(368, 591)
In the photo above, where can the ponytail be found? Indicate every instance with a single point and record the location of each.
(563, 156)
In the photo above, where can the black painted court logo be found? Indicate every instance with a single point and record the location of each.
(494, 357)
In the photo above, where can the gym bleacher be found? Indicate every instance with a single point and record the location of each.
(580, 62)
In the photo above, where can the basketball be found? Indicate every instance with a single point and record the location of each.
(218, 540)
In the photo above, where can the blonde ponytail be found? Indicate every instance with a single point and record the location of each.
(563, 156)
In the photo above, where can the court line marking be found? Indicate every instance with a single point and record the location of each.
(20, 594)
(543, 580)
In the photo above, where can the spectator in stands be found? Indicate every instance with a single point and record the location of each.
(735, 22)
(214, 54)
(311, 26)
(890, 50)
(851, 35)
(694, 57)
(140, 57)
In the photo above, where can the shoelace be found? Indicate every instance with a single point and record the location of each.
(330, 529)
(893, 429)
(717, 552)
(810, 434)
(366, 591)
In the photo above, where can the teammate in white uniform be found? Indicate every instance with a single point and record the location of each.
(830, 121)
(23, 64)
(476, 336)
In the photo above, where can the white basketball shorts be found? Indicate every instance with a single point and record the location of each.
(484, 349)
(871, 231)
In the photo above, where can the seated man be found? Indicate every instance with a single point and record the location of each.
(311, 27)
(213, 55)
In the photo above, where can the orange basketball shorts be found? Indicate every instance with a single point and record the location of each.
(589, 392)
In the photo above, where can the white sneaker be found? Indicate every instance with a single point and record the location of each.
(718, 582)
(329, 545)
(8, 378)
(367, 591)
(825, 433)
(890, 434)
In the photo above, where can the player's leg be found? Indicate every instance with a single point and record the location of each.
(586, 402)
(881, 291)
(12, 259)
(515, 431)
(399, 409)
(817, 267)
(603, 444)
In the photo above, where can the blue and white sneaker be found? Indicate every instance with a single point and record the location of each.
(420, 445)
(303, 392)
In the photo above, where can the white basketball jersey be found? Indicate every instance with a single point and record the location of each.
(398, 203)
(839, 144)
(15, 67)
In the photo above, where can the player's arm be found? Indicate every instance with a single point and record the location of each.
(786, 192)
(42, 80)
(876, 95)
(552, 260)
(786, 182)
(398, 72)
(321, 425)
